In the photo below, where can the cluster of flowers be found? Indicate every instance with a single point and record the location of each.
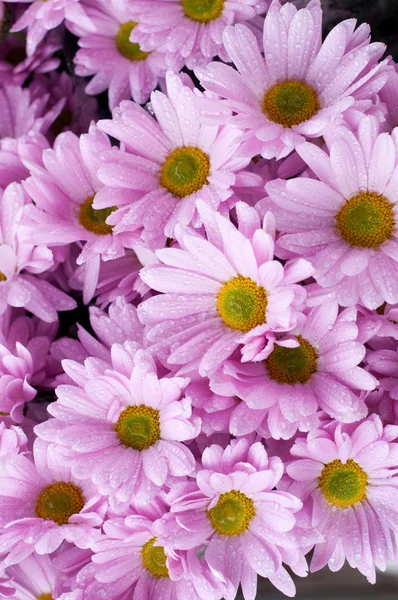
(227, 405)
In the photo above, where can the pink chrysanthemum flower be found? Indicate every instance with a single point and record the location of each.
(314, 368)
(128, 562)
(347, 479)
(248, 527)
(23, 357)
(190, 31)
(22, 262)
(215, 411)
(43, 15)
(64, 192)
(42, 505)
(26, 118)
(220, 293)
(124, 427)
(168, 163)
(117, 64)
(345, 222)
(15, 66)
(301, 86)
(35, 578)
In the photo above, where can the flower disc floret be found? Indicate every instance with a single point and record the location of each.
(290, 103)
(232, 513)
(59, 501)
(138, 427)
(94, 220)
(203, 11)
(343, 484)
(154, 559)
(185, 171)
(241, 303)
(129, 50)
(366, 220)
(3, 277)
(292, 365)
(45, 597)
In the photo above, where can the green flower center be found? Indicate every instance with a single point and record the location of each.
(343, 484)
(290, 103)
(232, 513)
(138, 427)
(154, 559)
(126, 48)
(292, 365)
(59, 501)
(94, 220)
(185, 171)
(203, 11)
(366, 220)
(241, 303)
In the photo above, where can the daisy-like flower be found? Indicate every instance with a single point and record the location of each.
(129, 562)
(21, 262)
(346, 477)
(35, 578)
(168, 163)
(118, 65)
(43, 15)
(42, 505)
(190, 31)
(220, 293)
(314, 368)
(63, 191)
(249, 528)
(123, 425)
(215, 411)
(15, 66)
(345, 222)
(24, 346)
(300, 86)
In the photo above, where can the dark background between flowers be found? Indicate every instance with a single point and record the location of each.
(382, 15)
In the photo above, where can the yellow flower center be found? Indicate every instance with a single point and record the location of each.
(126, 48)
(45, 597)
(290, 103)
(292, 365)
(366, 220)
(185, 171)
(94, 220)
(59, 501)
(3, 277)
(138, 427)
(203, 11)
(343, 484)
(241, 303)
(232, 513)
(154, 559)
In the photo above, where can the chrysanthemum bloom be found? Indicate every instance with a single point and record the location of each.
(347, 479)
(35, 578)
(26, 119)
(190, 31)
(129, 562)
(345, 222)
(315, 368)
(215, 411)
(247, 526)
(44, 15)
(23, 353)
(219, 293)
(123, 425)
(15, 66)
(383, 362)
(118, 65)
(168, 163)
(12, 441)
(21, 262)
(42, 505)
(63, 192)
(301, 86)
(120, 325)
